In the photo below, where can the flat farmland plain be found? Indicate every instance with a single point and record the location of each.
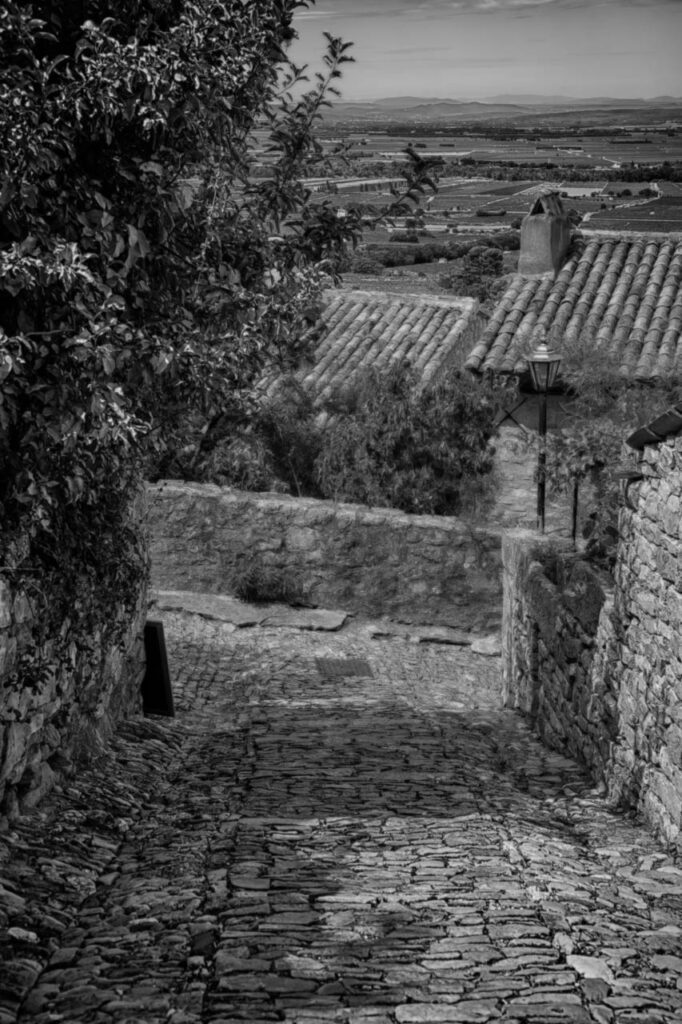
(471, 206)
(651, 147)
(483, 196)
(664, 214)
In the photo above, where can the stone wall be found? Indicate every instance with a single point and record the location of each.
(428, 569)
(553, 603)
(647, 632)
(599, 671)
(64, 716)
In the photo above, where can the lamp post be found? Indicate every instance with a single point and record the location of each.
(544, 366)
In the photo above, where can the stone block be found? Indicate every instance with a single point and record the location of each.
(669, 798)
(301, 538)
(8, 652)
(584, 597)
(36, 784)
(672, 604)
(15, 747)
(5, 604)
(21, 609)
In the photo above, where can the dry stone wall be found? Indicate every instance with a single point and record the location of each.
(63, 717)
(426, 569)
(553, 602)
(599, 670)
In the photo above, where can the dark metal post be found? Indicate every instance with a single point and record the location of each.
(543, 365)
(542, 459)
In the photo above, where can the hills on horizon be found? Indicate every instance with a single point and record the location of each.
(512, 99)
(559, 109)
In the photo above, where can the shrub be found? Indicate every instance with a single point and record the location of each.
(392, 255)
(286, 425)
(243, 461)
(255, 581)
(366, 265)
(419, 449)
(507, 240)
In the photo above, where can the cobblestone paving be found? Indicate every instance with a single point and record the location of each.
(391, 849)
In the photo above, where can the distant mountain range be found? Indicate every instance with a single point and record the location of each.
(525, 99)
(600, 101)
(422, 108)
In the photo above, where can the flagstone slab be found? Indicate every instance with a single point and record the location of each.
(241, 614)
(210, 606)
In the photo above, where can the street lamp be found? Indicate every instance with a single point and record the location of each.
(544, 366)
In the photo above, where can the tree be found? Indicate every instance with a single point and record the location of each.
(603, 407)
(146, 277)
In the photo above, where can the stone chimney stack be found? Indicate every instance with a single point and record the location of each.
(545, 236)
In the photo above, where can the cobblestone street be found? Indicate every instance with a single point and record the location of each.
(304, 846)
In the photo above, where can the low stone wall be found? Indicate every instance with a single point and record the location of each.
(426, 569)
(64, 716)
(599, 672)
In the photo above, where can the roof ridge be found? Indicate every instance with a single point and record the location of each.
(465, 302)
(613, 235)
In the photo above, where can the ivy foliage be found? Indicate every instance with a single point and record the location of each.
(148, 274)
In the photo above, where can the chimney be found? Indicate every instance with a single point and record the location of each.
(545, 236)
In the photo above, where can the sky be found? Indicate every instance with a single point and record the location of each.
(475, 49)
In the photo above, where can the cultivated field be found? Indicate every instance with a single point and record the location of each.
(488, 180)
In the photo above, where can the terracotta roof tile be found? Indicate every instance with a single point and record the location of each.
(623, 292)
(365, 329)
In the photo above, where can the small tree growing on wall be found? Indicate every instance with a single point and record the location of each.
(602, 408)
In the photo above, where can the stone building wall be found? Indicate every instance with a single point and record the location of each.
(428, 569)
(599, 671)
(64, 716)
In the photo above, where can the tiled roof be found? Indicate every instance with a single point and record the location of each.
(625, 293)
(365, 329)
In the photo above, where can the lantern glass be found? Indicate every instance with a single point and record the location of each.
(544, 367)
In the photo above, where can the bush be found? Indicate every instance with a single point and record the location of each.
(392, 255)
(510, 241)
(255, 581)
(420, 449)
(478, 277)
(243, 462)
(286, 425)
